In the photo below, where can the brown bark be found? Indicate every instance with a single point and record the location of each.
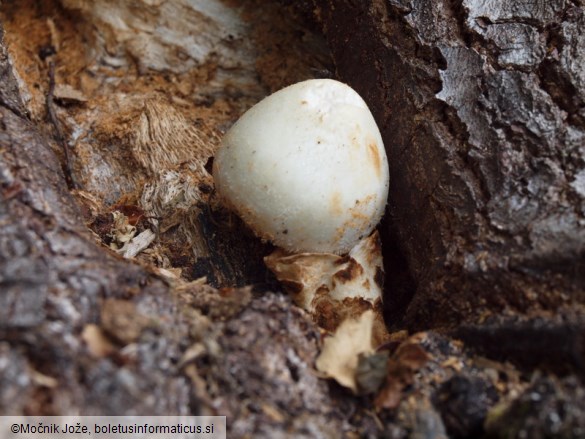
(54, 280)
(481, 108)
(56, 283)
(83, 330)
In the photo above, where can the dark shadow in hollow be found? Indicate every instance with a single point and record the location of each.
(399, 285)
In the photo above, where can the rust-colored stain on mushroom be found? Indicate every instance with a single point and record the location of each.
(359, 215)
(352, 271)
(292, 287)
(374, 248)
(335, 204)
(329, 313)
(375, 157)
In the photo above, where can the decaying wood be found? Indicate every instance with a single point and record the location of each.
(54, 280)
(84, 331)
(481, 108)
(57, 285)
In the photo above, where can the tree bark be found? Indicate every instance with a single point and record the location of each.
(481, 108)
(54, 281)
(83, 330)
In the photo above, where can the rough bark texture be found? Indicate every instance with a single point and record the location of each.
(83, 330)
(481, 108)
(56, 284)
(54, 281)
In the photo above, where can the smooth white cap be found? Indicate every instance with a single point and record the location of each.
(306, 168)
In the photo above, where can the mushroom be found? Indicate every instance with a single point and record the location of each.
(306, 169)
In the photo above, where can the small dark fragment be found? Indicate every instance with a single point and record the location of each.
(102, 225)
(463, 403)
(371, 372)
(47, 51)
(209, 165)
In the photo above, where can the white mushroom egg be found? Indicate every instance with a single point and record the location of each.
(306, 168)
